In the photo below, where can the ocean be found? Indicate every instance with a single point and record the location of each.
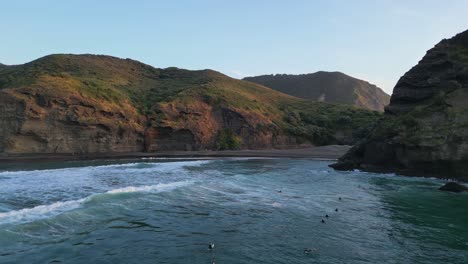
(254, 210)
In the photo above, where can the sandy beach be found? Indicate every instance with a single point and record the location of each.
(330, 152)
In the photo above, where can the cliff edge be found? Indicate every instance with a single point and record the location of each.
(424, 131)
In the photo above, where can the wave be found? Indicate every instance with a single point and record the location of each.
(39, 212)
(137, 166)
(46, 211)
(162, 187)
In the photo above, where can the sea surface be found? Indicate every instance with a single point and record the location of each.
(254, 210)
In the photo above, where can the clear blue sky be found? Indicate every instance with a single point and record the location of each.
(374, 40)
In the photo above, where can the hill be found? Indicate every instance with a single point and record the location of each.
(92, 103)
(331, 87)
(425, 128)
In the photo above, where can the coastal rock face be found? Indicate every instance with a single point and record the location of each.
(454, 187)
(42, 121)
(100, 104)
(425, 128)
(331, 87)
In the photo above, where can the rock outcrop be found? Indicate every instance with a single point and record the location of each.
(100, 104)
(425, 128)
(331, 87)
(454, 187)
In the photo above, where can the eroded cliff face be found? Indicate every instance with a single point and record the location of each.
(425, 129)
(196, 126)
(11, 118)
(41, 121)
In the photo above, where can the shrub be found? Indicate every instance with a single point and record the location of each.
(228, 140)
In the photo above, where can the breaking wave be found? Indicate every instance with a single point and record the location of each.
(46, 211)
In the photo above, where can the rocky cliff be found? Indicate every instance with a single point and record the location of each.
(425, 128)
(91, 104)
(331, 87)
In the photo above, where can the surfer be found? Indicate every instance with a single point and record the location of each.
(309, 250)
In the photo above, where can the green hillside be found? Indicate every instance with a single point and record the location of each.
(151, 101)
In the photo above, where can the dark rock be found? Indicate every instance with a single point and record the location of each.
(424, 131)
(454, 187)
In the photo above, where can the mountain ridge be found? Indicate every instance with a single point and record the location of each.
(332, 87)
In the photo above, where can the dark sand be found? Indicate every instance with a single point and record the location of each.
(331, 152)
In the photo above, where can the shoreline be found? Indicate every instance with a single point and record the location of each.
(330, 152)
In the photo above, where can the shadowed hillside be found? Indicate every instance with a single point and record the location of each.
(331, 87)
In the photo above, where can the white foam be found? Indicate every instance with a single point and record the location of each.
(162, 187)
(156, 166)
(276, 204)
(46, 211)
(39, 212)
(251, 158)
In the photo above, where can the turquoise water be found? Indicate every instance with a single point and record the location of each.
(168, 211)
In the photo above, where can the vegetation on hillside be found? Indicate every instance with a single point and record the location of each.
(228, 140)
(319, 122)
(115, 81)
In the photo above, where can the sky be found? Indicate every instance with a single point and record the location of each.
(377, 41)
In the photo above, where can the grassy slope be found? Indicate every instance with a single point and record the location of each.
(117, 81)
